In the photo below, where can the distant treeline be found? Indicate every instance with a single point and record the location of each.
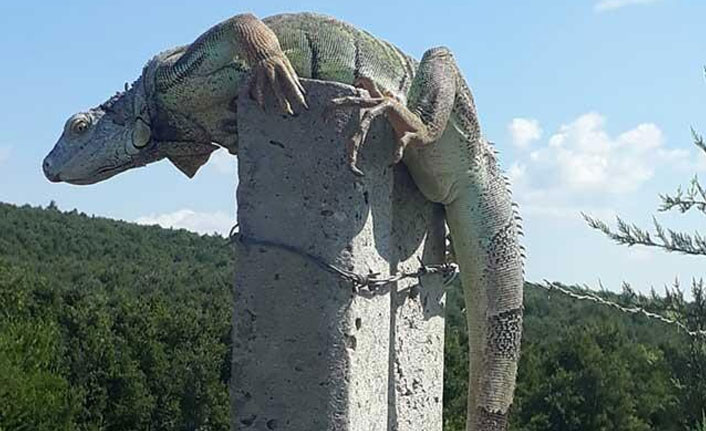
(106, 325)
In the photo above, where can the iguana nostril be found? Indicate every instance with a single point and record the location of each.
(47, 168)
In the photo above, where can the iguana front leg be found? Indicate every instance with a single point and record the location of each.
(452, 164)
(224, 53)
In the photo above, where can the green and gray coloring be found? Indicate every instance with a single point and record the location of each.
(182, 108)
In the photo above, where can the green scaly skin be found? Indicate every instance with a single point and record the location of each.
(184, 101)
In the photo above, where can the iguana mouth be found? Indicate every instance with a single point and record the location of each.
(100, 174)
(107, 169)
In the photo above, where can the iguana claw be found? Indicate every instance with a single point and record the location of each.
(378, 102)
(277, 73)
(370, 108)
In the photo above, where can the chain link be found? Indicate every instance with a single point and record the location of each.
(372, 281)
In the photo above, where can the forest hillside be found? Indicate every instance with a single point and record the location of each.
(107, 325)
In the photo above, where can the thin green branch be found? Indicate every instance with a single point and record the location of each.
(698, 140)
(669, 240)
(694, 196)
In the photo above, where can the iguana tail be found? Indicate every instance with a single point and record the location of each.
(484, 229)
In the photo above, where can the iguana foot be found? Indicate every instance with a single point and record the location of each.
(407, 126)
(376, 104)
(269, 66)
(371, 108)
(277, 73)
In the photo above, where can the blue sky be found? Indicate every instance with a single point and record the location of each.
(590, 103)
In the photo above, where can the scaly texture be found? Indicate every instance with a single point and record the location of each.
(183, 102)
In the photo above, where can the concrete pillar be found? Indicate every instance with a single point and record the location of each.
(310, 353)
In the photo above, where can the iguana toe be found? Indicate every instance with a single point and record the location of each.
(277, 73)
(257, 85)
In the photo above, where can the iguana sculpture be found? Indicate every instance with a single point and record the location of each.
(183, 105)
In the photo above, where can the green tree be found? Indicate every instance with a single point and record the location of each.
(597, 379)
(106, 325)
(689, 361)
(34, 394)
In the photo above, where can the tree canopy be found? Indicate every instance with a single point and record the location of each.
(107, 325)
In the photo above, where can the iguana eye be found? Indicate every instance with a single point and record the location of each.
(79, 125)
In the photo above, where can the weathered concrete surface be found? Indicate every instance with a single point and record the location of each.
(309, 353)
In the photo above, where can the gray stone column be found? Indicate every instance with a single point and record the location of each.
(310, 353)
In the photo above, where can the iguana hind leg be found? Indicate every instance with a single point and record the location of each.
(480, 217)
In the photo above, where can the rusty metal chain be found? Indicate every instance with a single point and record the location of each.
(449, 271)
(372, 281)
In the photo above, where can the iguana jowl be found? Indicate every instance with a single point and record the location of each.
(183, 103)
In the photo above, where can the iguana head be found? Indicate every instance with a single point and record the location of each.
(103, 141)
(114, 137)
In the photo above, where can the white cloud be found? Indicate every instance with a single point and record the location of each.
(524, 131)
(700, 163)
(517, 172)
(606, 5)
(583, 157)
(200, 222)
(583, 168)
(223, 162)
